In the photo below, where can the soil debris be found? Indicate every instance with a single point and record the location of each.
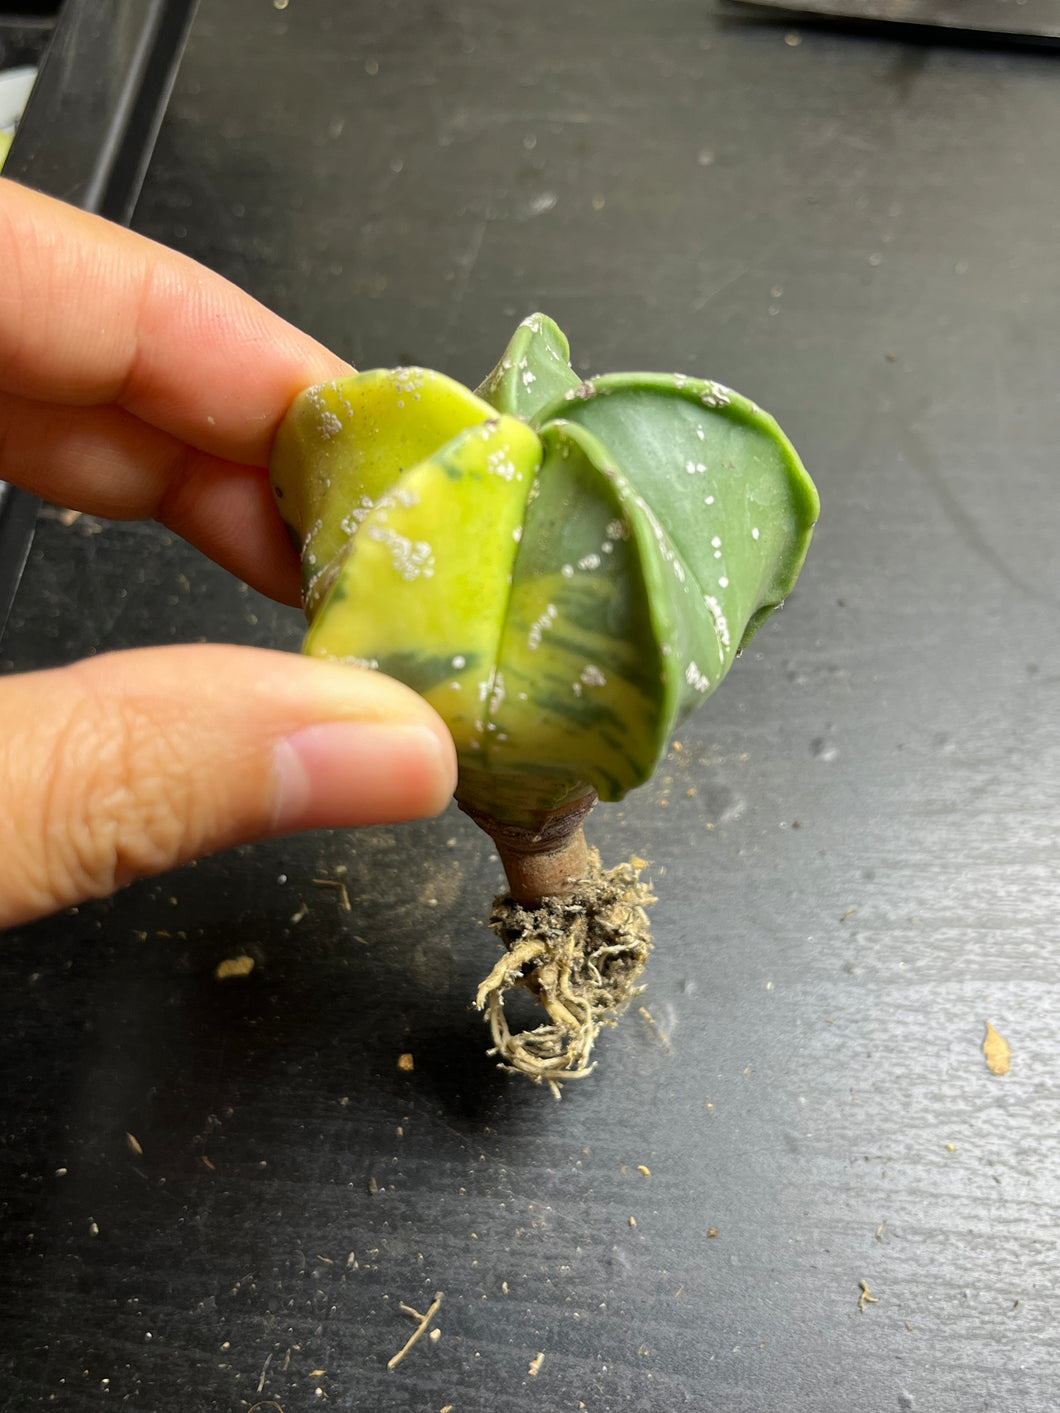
(234, 966)
(996, 1051)
(580, 956)
(338, 887)
(422, 1322)
(535, 1365)
(866, 1297)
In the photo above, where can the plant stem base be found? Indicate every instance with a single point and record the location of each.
(580, 955)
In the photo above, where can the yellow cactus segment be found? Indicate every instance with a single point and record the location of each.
(422, 592)
(360, 433)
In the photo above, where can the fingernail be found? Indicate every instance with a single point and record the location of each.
(343, 773)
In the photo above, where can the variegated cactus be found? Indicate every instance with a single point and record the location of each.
(564, 569)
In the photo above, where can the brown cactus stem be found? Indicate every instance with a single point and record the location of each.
(543, 862)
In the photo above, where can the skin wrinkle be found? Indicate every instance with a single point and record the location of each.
(140, 806)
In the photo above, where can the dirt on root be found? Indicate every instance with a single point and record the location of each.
(580, 956)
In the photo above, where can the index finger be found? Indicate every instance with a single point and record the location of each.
(93, 314)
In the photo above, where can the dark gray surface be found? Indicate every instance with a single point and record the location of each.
(1040, 18)
(860, 234)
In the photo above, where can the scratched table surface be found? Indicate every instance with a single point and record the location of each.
(218, 1194)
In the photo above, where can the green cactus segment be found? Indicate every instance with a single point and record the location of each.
(344, 444)
(421, 594)
(730, 506)
(534, 371)
(579, 694)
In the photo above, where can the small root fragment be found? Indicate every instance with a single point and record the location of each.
(422, 1322)
(580, 956)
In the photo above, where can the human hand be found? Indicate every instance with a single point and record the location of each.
(135, 384)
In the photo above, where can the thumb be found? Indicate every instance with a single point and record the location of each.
(129, 763)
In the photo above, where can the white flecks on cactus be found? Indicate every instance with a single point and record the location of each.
(458, 663)
(715, 395)
(696, 679)
(592, 676)
(499, 463)
(721, 626)
(567, 571)
(410, 558)
(540, 626)
(582, 393)
(589, 561)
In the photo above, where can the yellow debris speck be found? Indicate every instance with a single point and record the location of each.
(644, 1172)
(406, 1063)
(951, 1147)
(996, 1051)
(535, 1366)
(234, 966)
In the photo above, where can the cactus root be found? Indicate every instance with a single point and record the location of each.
(580, 956)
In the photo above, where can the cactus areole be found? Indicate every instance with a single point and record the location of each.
(564, 569)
